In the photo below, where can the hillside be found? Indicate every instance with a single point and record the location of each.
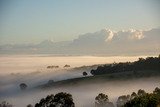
(98, 79)
(143, 68)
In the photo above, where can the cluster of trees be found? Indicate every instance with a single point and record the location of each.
(149, 64)
(62, 99)
(143, 99)
(59, 100)
(139, 99)
(122, 100)
(52, 66)
(56, 66)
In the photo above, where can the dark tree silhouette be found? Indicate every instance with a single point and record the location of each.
(151, 66)
(133, 95)
(156, 91)
(46, 102)
(141, 92)
(23, 86)
(67, 66)
(102, 101)
(59, 100)
(143, 99)
(85, 74)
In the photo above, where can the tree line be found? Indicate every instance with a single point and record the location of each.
(149, 65)
(62, 99)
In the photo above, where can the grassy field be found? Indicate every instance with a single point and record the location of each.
(101, 79)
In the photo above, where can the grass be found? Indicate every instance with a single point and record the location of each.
(100, 78)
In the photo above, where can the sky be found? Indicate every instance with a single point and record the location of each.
(32, 21)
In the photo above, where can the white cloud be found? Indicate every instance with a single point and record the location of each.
(105, 41)
(136, 34)
(110, 35)
(126, 35)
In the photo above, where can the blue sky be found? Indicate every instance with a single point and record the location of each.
(32, 21)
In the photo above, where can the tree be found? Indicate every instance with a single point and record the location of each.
(59, 100)
(67, 66)
(133, 95)
(85, 74)
(102, 101)
(64, 99)
(156, 91)
(141, 92)
(144, 99)
(23, 86)
(122, 100)
(46, 102)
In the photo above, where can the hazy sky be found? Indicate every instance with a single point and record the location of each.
(31, 21)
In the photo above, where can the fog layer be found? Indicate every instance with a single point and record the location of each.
(33, 71)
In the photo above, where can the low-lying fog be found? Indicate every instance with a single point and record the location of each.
(33, 71)
(32, 63)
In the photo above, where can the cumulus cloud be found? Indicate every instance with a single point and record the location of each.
(110, 35)
(105, 41)
(127, 35)
(98, 37)
(136, 34)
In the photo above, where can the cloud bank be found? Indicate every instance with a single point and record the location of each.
(103, 42)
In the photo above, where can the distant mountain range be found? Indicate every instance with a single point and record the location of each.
(103, 42)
